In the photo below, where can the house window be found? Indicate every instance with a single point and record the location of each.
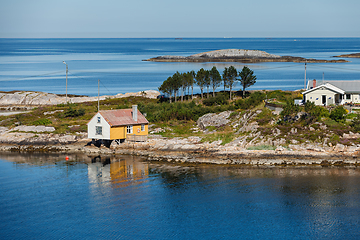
(98, 130)
(98, 119)
(348, 96)
(129, 129)
(142, 127)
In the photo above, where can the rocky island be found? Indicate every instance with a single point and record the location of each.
(352, 55)
(238, 55)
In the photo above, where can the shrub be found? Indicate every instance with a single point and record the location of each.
(290, 109)
(355, 124)
(43, 121)
(338, 114)
(255, 99)
(219, 99)
(71, 112)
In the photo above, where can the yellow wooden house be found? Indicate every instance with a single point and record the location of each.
(118, 125)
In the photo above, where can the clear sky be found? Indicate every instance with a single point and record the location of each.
(180, 18)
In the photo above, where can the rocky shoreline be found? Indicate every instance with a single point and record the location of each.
(181, 150)
(239, 55)
(25, 100)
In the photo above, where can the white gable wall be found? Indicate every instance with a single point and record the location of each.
(316, 96)
(92, 128)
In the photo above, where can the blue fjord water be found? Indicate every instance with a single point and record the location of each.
(44, 197)
(36, 64)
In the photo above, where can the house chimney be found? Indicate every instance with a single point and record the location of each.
(314, 83)
(134, 112)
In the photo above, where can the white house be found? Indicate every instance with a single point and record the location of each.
(332, 92)
(118, 124)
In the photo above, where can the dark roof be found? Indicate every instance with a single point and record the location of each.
(122, 117)
(352, 86)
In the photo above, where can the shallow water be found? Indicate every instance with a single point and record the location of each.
(45, 197)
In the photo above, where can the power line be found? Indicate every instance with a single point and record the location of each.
(41, 75)
(94, 80)
(106, 88)
(345, 69)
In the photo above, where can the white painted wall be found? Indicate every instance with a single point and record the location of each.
(316, 96)
(354, 98)
(92, 128)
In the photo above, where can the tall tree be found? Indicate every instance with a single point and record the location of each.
(189, 79)
(247, 78)
(176, 83)
(225, 78)
(166, 87)
(200, 80)
(207, 81)
(230, 75)
(215, 79)
(193, 74)
(183, 85)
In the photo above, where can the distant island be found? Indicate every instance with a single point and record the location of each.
(353, 55)
(238, 55)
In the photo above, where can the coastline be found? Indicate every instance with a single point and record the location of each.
(187, 151)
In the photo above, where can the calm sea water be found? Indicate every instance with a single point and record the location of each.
(36, 64)
(45, 197)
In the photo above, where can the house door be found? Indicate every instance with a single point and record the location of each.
(324, 100)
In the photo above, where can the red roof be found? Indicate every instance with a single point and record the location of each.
(122, 117)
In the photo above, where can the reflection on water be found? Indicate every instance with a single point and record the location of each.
(116, 170)
(42, 196)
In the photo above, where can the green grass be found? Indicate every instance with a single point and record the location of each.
(262, 147)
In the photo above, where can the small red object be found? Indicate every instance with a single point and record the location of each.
(67, 158)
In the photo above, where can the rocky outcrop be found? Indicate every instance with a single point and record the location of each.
(237, 55)
(213, 119)
(352, 55)
(41, 98)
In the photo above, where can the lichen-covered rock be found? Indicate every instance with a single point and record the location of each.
(42, 98)
(213, 119)
(24, 128)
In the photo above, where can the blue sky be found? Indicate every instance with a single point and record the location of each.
(185, 18)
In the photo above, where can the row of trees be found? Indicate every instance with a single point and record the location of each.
(206, 79)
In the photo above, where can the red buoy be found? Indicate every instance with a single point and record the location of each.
(67, 158)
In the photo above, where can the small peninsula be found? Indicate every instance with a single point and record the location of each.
(352, 55)
(239, 55)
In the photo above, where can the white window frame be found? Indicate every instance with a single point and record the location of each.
(129, 129)
(143, 127)
(98, 130)
(98, 119)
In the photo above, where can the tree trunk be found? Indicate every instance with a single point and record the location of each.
(213, 92)
(182, 94)
(202, 90)
(175, 96)
(230, 92)
(208, 92)
(192, 92)
(243, 95)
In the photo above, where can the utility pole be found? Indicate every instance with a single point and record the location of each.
(66, 80)
(98, 95)
(305, 77)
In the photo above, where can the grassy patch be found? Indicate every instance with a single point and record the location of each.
(262, 147)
